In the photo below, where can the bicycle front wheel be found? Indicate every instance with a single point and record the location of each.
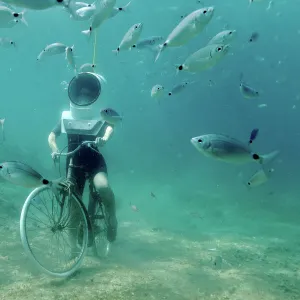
(54, 230)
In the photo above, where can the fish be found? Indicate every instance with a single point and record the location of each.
(70, 57)
(187, 29)
(259, 177)
(223, 37)
(86, 13)
(38, 4)
(253, 135)
(228, 149)
(7, 43)
(110, 116)
(22, 174)
(9, 18)
(2, 129)
(179, 87)
(130, 38)
(157, 91)
(148, 42)
(116, 10)
(247, 91)
(205, 58)
(103, 12)
(87, 68)
(52, 49)
(253, 37)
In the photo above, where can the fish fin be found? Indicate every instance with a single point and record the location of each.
(23, 20)
(87, 32)
(178, 68)
(116, 51)
(160, 49)
(267, 158)
(125, 8)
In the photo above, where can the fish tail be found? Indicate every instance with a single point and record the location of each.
(125, 8)
(116, 51)
(160, 49)
(87, 32)
(267, 158)
(23, 20)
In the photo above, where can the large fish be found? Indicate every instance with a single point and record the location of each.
(188, 28)
(37, 4)
(228, 149)
(21, 174)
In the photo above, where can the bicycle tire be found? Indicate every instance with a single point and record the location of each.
(24, 236)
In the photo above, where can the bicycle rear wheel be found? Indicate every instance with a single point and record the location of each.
(54, 230)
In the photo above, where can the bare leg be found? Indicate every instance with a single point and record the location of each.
(105, 192)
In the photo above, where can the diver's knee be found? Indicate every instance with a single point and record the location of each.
(101, 182)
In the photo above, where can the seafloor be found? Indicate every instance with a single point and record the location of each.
(212, 250)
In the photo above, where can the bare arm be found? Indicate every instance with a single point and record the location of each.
(52, 142)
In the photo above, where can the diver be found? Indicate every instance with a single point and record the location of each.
(80, 124)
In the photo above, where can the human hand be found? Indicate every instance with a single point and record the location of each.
(55, 156)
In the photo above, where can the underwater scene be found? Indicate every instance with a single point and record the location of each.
(149, 149)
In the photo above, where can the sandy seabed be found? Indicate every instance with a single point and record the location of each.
(152, 263)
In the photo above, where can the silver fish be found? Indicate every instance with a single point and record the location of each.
(52, 49)
(7, 43)
(110, 116)
(21, 174)
(248, 92)
(228, 149)
(37, 4)
(179, 87)
(148, 42)
(87, 68)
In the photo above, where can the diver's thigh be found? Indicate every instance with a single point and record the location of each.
(100, 180)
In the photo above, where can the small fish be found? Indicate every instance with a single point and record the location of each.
(130, 38)
(253, 135)
(153, 195)
(87, 68)
(254, 37)
(110, 116)
(116, 10)
(21, 174)
(134, 208)
(228, 149)
(104, 10)
(205, 58)
(259, 177)
(262, 105)
(157, 91)
(247, 91)
(7, 43)
(70, 58)
(187, 29)
(2, 128)
(223, 37)
(9, 18)
(86, 13)
(52, 49)
(38, 4)
(178, 88)
(270, 5)
(148, 42)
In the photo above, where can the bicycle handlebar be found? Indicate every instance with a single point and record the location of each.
(84, 143)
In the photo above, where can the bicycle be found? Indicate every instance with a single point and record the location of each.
(66, 216)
